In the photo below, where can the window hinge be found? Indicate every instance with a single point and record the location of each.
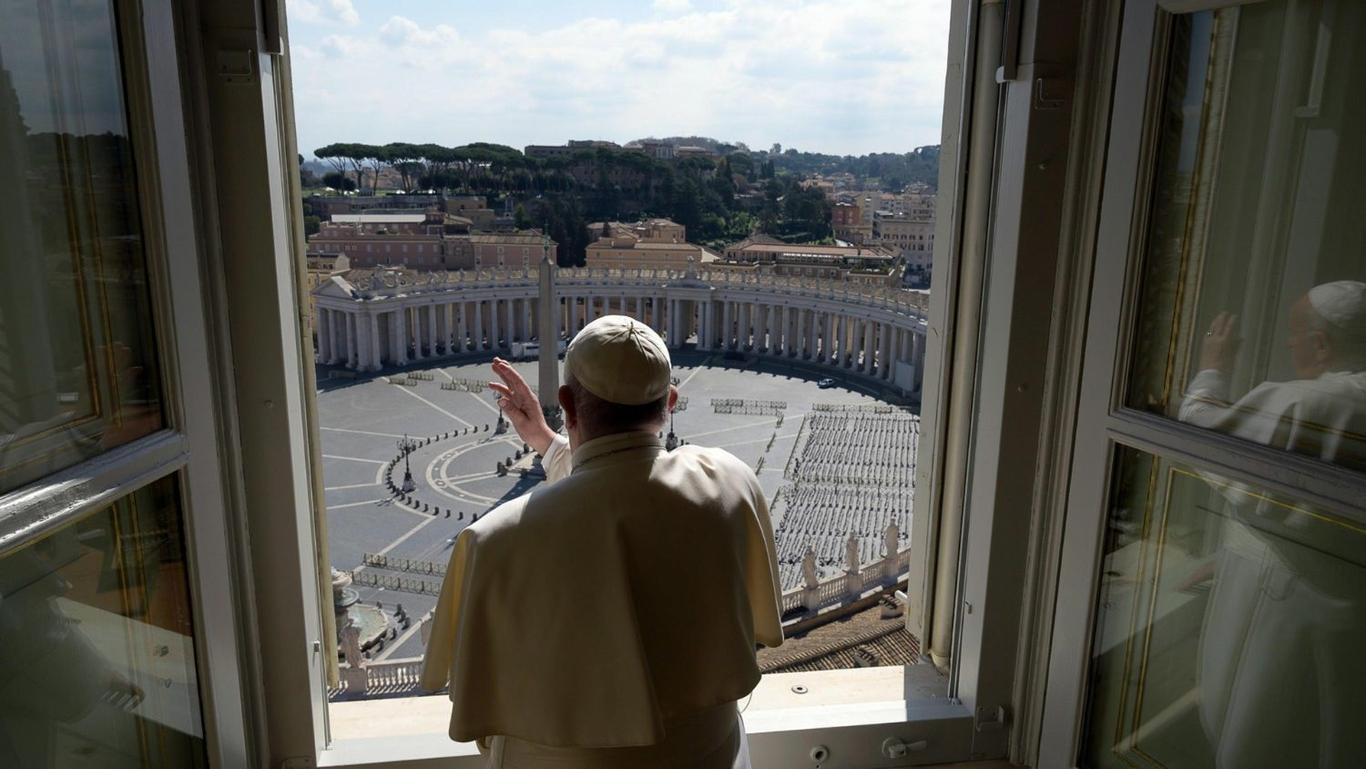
(989, 719)
(299, 762)
(235, 66)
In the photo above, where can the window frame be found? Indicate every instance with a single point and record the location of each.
(1105, 424)
(252, 123)
(189, 447)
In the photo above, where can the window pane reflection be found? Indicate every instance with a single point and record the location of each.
(1253, 315)
(78, 372)
(1229, 628)
(98, 666)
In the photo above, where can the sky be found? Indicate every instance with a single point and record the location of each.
(835, 76)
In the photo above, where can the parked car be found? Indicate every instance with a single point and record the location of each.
(826, 383)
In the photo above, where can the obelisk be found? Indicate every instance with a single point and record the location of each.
(549, 332)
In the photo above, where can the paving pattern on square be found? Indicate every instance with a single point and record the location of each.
(362, 421)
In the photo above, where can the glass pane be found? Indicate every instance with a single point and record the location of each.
(1230, 627)
(78, 370)
(98, 666)
(1253, 315)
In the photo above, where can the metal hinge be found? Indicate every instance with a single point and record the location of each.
(236, 66)
(301, 762)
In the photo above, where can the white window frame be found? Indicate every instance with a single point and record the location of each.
(190, 445)
(243, 130)
(1105, 425)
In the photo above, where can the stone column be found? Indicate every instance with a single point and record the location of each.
(479, 324)
(401, 323)
(352, 341)
(372, 332)
(828, 343)
(338, 337)
(725, 326)
(453, 327)
(813, 323)
(320, 330)
(703, 325)
(869, 347)
(464, 330)
(493, 324)
(422, 332)
(431, 330)
(884, 361)
(780, 347)
(775, 330)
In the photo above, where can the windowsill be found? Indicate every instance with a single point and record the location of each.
(411, 731)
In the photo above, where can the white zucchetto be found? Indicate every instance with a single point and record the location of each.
(1341, 303)
(620, 360)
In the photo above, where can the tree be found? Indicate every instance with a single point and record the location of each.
(339, 181)
(520, 219)
(336, 156)
(404, 158)
(687, 203)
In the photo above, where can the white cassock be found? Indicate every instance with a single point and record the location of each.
(1282, 677)
(609, 618)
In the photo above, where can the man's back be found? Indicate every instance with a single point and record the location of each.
(630, 595)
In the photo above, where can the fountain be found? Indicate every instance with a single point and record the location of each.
(369, 621)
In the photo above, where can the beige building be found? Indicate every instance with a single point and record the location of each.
(651, 244)
(425, 241)
(857, 264)
(912, 236)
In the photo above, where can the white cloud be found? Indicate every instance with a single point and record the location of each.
(673, 6)
(826, 75)
(403, 32)
(334, 12)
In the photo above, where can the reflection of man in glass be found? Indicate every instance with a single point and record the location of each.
(1323, 412)
(1280, 676)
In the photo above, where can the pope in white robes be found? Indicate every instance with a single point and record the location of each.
(1281, 677)
(609, 618)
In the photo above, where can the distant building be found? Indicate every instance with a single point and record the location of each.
(327, 205)
(651, 244)
(656, 149)
(858, 264)
(913, 236)
(598, 144)
(474, 208)
(320, 267)
(694, 152)
(847, 220)
(548, 151)
(432, 240)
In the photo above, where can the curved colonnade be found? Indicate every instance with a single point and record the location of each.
(396, 317)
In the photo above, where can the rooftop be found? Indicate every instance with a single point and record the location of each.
(379, 218)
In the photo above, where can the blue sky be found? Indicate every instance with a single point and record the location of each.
(838, 76)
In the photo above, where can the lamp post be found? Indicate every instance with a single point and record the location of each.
(671, 442)
(406, 446)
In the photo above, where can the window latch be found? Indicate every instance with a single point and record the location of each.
(990, 720)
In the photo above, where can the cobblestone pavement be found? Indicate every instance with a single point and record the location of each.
(362, 421)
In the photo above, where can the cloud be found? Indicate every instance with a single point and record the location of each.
(399, 31)
(673, 6)
(845, 76)
(331, 12)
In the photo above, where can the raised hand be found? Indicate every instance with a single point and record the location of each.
(521, 407)
(1221, 343)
